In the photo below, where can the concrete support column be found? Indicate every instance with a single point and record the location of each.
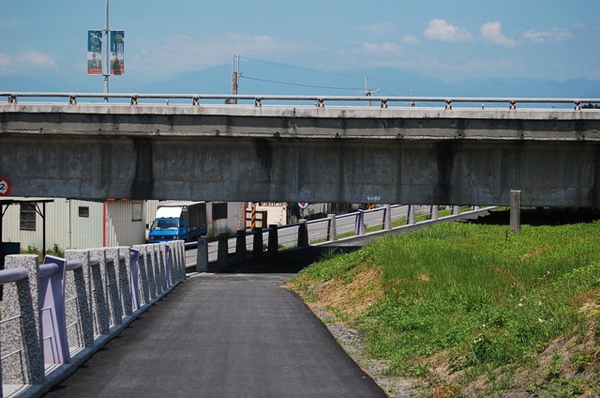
(273, 239)
(302, 233)
(515, 211)
(202, 255)
(331, 228)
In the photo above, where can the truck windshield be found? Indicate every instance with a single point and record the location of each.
(165, 224)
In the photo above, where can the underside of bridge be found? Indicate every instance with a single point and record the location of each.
(368, 155)
(303, 169)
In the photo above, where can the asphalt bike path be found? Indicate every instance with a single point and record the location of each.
(223, 335)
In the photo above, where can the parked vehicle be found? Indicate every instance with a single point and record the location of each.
(178, 221)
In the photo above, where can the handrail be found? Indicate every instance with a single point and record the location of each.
(12, 275)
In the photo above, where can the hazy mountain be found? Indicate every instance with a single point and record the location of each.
(265, 79)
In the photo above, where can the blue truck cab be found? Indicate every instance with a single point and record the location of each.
(178, 221)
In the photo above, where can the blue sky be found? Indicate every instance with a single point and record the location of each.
(447, 39)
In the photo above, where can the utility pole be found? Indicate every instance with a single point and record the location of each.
(234, 77)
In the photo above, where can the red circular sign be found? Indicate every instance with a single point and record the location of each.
(4, 186)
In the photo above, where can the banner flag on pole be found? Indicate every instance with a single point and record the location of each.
(117, 51)
(94, 53)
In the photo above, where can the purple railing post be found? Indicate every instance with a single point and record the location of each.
(54, 323)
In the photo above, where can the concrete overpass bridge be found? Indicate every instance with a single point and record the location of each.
(308, 148)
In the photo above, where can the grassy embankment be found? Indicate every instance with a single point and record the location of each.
(473, 310)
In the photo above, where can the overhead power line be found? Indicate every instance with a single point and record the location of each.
(299, 84)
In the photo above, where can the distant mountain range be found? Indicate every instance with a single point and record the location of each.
(268, 79)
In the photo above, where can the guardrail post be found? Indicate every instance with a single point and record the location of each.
(455, 210)
(303, 233)
(222, 251)
(98, 296)
(135, 286)
(515, 211)
(151, 266)
(434, 212)
(143, 265)
(113, 292)
(168, 266)
(412, 215)
(240, 247)
(387, 217)
(123, 269)
(331, 228)
(273, 239)
(78, 289)
(22, 302)
(359, 224)
(257, 243)
(202, 255)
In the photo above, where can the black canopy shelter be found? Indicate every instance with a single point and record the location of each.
(35, 203)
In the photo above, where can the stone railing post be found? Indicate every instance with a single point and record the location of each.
(257, 245)
(222, 251)
(412, 214)
(22, 302)
(434, 212)
(78, 290)
(303, 233)
(240, 247)
(202, 255)
(387, 217)
(273, 245)
(331, 228)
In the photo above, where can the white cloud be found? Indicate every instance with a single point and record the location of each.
(440, 30)
(491, 32)
(554, 35)
(410, 39)
(13, 64)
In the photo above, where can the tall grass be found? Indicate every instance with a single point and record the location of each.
(477, 295)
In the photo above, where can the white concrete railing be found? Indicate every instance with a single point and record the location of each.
(218, 253)
(57, 314)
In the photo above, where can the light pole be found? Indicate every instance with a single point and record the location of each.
(106, 56)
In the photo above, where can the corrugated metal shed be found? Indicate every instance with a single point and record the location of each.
(80, 224)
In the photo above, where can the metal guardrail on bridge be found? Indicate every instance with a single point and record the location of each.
(318, 100)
